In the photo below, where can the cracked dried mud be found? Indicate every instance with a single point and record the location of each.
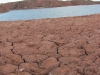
(62, 46)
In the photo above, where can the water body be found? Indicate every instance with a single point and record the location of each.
(57, 12)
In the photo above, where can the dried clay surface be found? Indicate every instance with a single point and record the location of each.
(62, 46)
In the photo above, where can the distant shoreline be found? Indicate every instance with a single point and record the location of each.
(34, 5)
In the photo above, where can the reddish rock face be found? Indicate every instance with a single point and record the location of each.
(63, 46)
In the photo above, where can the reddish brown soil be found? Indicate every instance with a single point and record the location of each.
(30, 4)
(63, 46)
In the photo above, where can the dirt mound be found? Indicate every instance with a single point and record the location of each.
(30, 4)
(64, 46)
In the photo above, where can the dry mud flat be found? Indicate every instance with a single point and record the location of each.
(63, 46)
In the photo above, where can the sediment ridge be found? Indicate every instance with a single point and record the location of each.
(34, 4)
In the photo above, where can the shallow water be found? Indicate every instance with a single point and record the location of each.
(57, 12)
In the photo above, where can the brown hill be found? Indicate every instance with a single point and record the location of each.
(30, 4)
